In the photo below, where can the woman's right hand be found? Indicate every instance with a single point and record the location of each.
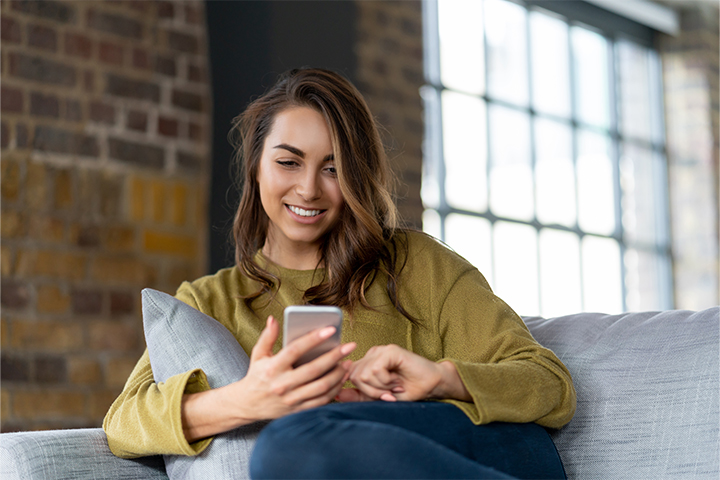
(272, 388)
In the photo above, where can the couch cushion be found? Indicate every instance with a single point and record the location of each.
(180, 338)
(647, 386)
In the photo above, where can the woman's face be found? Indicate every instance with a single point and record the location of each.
(298, 185)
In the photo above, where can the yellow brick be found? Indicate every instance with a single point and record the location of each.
(68, 266)
(137, 199)
(50, 336)
(100, 402)
(12, 224)
(118, 370)
(36, 186)
(119, 239)
(7, 261)
(84, 371)
(119, 270)
(4, 333)
(52, 300)
(47, 229)
(10, 179)
(120, 337)
(170, 244)
(63, 190)
(48, 404)
(179, 204)
(157, 202)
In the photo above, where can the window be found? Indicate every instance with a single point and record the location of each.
(545, 157)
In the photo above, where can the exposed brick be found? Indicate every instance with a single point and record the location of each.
(42, 37)
(52, 264)
(50, 299)
(73, 111)
(48, 404)
(63, 192)
(158, 200)
(102, 113)
(114, 24)
(62, 141)
(11, 99)
(50, 369)
(137, 199)
(21, 135)
(7, 268)
(189, 161)
(83, 371)
(140, 58)
(117, 270)
(110, 53)
(47, 336)
(178, 209)
(125, 87)
(167, 127)
(113, 336)
(165, 65)
(111, 191)
(118, 370)
(44, 105)
(165, 9)
(10, 30)
(4, 135)
(121, 303)
(78, 45)
(195, 74)
(87, 302)
(36, 186)
(136, 153)
(187, 100)
(14, 368)
(89, 81)
(100, 400)
(14, 295)
(12, 225)
(136, 120)
(86, 236)
(41, 70)
(193, 15)
(183, 42)
(9, 179)
(47, 229)
(119, 239)
(48, 9)
(195, 132)
(170, 244)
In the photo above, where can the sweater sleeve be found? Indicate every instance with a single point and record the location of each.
(146, 419)
(510, 377)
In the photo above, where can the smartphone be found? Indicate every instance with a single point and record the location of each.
(301, 319)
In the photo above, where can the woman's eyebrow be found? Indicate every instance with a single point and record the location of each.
(300, 153)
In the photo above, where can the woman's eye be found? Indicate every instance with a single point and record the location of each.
(331, 170)
(287, 163)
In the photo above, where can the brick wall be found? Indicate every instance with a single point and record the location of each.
(389, 53)
(105, 164)
(692, 117)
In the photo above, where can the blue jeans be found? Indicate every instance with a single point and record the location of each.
(400, 440)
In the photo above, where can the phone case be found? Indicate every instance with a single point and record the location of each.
(301, 319)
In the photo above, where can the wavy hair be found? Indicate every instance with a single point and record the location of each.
(364, 240)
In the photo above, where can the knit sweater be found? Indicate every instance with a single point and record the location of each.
(510, 377)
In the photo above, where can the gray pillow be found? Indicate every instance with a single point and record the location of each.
(180, 338)
(647, 386)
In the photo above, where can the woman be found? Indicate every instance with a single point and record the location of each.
(317, 224)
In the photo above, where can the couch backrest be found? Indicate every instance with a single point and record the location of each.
(648, 388)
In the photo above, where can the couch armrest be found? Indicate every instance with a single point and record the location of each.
(70, 454)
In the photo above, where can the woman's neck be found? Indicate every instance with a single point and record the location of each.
(293, 259)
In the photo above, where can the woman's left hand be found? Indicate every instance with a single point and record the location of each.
(391, 373)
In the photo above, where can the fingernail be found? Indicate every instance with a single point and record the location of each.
(398, 390)
(327, 332)
(347, 348)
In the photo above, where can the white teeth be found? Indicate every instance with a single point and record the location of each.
(304, 213)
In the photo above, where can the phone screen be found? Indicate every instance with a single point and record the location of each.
(301, 319)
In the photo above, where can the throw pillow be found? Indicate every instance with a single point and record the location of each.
(180, 338)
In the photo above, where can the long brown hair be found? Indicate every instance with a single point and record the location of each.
(364, 240)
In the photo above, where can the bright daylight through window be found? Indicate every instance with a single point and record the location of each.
(545, 157)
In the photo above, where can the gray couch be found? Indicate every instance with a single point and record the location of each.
(648, 405)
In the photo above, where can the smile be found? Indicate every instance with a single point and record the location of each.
(304, 213)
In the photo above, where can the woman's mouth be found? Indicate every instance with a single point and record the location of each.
(304, 213)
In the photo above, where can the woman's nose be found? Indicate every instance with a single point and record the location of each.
(309, 187)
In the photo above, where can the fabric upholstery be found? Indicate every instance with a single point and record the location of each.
(180, 338)
(647, 387)
(76, 454)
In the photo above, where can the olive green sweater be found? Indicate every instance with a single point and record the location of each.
(510, 376)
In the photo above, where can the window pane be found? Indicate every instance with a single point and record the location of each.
(639, 197)
(643, 275)
(550, 64)
(634, 90)
(602, 287)
(462, 58)
(470, 237)
(511, 180)
(554, 173)
(516, 266)
(505, 30)
(590, 58)
(596, 205)
(431, 223)
(465, 146)
(559, 273)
